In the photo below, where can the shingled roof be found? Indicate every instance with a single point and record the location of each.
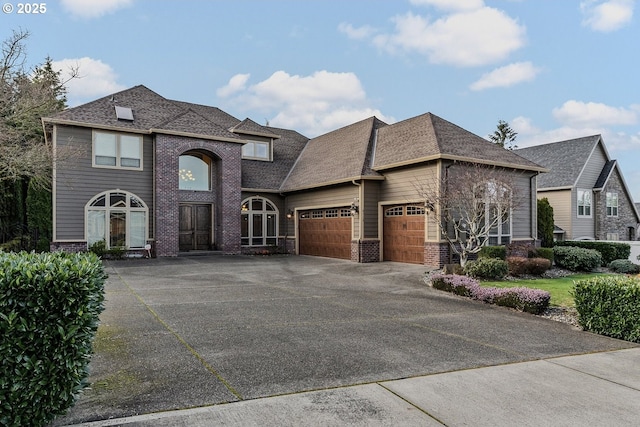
(335, 157)
(269, 176)
(151, 113)
(564, 159)
(429, 137)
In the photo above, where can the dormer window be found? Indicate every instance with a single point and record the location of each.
(257, 150)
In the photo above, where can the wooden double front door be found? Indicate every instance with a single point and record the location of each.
(195, 227)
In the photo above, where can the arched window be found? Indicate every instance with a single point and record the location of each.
(195, 172)
(119, 218)
(259, 222)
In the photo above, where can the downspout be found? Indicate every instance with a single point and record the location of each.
(360, 220)
(533, 209)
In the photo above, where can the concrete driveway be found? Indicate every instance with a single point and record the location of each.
(195, 331)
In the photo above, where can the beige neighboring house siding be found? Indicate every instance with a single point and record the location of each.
(77, 181)
(563, 204)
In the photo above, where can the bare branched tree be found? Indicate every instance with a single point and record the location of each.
(471, 202)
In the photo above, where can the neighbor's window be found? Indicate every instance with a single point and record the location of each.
(256, 150)
(117, 217)
(612, 204)
(584, 203)
(195, 172)
(115, 150)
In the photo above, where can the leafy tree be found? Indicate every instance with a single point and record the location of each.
(468, 202)
(504, 136)
(545, 223)
(26, 95)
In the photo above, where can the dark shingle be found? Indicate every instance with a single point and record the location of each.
(604, 175)
(564, 159)
(337, 156)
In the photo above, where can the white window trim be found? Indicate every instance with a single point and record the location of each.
(578, 199)
(616, 206)
(108, 209)
(252, 143)
(117, 165)
(250, 212)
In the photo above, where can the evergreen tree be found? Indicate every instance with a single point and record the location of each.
(504, 136)
(545, 223)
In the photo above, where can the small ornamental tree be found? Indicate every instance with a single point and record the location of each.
(545, 223)
(470, 202)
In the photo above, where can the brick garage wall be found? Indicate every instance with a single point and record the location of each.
(367, 250)
(436, 254)
(228, 181)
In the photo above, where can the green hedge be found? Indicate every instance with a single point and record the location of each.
(49, 308)
(487, 268)
(624, 266)
(609, 305)
(493, 252)
(609, 250)
(577, 259)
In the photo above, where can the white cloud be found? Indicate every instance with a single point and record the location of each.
(314, 104)
(608, 15)
(95, 79)
(593, 114)
(236, 83)
(451, 4)
(359, 33)
(94, 8)
(506, 76)
(465, 38)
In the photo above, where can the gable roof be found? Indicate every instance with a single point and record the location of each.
(428, 137)
(249, 127)
(565, 160)
(339, 156)
(604, 175)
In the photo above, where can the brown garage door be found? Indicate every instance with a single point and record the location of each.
(403, 234)
(325, 232)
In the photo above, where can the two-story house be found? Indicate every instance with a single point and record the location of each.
(585, 187)
(136, 169)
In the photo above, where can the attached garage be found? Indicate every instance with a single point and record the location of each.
(403, 234)
(325, 232)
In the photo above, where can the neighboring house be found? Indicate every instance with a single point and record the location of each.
(136, 169)
(585, 187)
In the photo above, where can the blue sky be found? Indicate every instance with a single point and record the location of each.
(553, 69)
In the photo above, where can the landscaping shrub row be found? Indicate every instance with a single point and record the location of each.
(609, 305)
(577, 259)
(49, 307)
(624, 266)
(609, 250)
(533, 301)
(519, 266)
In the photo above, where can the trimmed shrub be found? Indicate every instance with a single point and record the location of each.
(499, 252)
(577, 259)
(545, 253)
(609, 305)
(609, 250)
(519, 266)
(487, 268)
(49, 308)
(533, 301)
(624, 266)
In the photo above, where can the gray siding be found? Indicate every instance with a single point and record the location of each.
(400, 185)
(584, 228)
(524, 213)
(77, 181)
(369, 207)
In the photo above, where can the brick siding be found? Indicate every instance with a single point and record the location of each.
(226, 183)
(365, 250)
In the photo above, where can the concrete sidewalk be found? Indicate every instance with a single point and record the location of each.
(316, 341)
(601, 389)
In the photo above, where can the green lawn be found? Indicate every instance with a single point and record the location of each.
(560, 289)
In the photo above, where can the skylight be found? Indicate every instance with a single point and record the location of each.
(124, 113)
